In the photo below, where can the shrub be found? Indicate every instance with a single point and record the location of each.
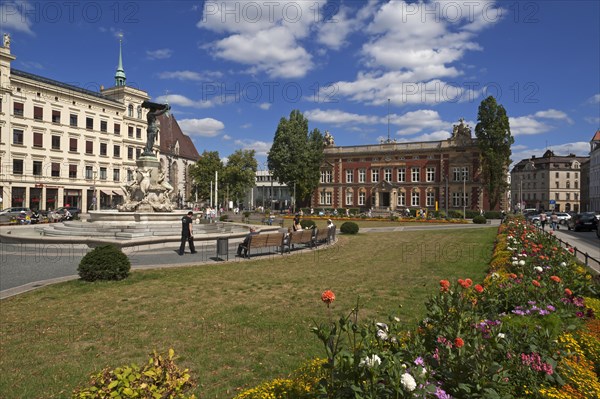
(246, 214)
(105, 262)
(349, 228)
(455, 214)
(307, 224)
(479, 219)
(159, 378)
(223, 218)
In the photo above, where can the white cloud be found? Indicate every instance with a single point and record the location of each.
(338, 117)
(595, 99)
(261, 147)
(435, 136)
(226, 137)
(190, 75)
(183, 101)
(159, 54)
(554, 114)
(333, 32)
(526, 125)
(592, 120)
(205, 127)
(265, 106)
(14, 16)
(520, 152)
(246, 126)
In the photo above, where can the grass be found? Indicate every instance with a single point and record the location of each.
(233, 325)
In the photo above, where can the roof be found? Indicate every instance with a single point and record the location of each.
(596, 136)
(170, 134)
(62, 85)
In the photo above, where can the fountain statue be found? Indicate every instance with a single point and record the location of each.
(150, 191)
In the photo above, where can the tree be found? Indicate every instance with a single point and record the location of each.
(203, 172)
(239, 175)
(295, 156)
(494, 140)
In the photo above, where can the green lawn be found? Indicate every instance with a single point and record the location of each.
(233, 324)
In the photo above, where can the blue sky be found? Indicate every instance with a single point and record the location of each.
(232, 69)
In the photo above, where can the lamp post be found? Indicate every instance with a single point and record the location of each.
(94, 196)
(464, 195)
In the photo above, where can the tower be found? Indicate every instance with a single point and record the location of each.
(120, 74)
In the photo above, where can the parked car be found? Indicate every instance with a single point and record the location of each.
(73, 211)
(14, 211)
(583, 221)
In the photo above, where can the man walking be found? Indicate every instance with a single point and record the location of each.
(186, 233)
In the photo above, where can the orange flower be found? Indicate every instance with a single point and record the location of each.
(568, 292)
(556, 279)
(328, 297)
(444, 285)
(468, 282)
(458, 342)
(535, 282)
(479, 288)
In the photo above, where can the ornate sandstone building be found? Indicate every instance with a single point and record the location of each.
(395, 176)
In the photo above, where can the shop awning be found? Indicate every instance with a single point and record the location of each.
(106, 192)
(118, 192)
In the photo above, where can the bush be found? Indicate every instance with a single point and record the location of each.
(105, 262)
(223, 218)
(479, 219)
(455, 214)
(349, 228)
(159, 378)
(307, 224)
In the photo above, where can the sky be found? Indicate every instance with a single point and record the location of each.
(365, 70)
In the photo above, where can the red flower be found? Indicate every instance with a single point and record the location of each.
(468, 282)
(536, 283)
(479, 288)
(328, 297)
(556, 279)
(568, 292)
(571, 250)
(458, 342)
(444, 285)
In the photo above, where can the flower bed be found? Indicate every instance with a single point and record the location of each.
(527, 331)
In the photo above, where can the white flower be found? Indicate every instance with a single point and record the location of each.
(382, 335)
(515, 263)
(382, 326)
(495, 275)
(563, 264)
(521, 262)
(501, 335)
(515, 258)
(370, 361)
(397, 319)
(408, 382)
(538, 269)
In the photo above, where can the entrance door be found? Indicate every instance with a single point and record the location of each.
(384, 199)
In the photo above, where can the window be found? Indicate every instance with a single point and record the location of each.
(556, 175)
(349, 197)
(103, 126)
(557, 185)
(17, 136)
(73, 144)
(414, 174)
(117, 151)
(17, 166)
(401, 175)
(138, 152)
(415, 197)
(325, 176)
(116, 174)
(18, 109)
(430, 174)
(374, 175)
(55, 116)
(557, 196)
(56, 142)
(89, 173)
(465, 173)
(129, 152)
(568, 175)
(37, 168)
(325, 198)
(73, 120)
(103, 173)
(349, 176)
(38, 113)
(129, 175)
(139, 112)
(460, 199)
(117, 129)
(89, 123)
(430, 199)
(38, 139)
(576, 184)
(568, 184)
(103, 149)
(138, 133)
(130, 131)
(568, 196)
(456, 174)
(362, 198)
(72, 171)
(130, 110)
(362, 173)
(401, 199)
(89, 147)
(55, 169)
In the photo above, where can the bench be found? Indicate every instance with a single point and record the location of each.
(265, 241)
(300, 237)
(325, 235)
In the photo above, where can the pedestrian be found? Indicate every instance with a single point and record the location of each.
(543, 219)
(554, 220)
(187, 233)
(296, 224)
(243, 246)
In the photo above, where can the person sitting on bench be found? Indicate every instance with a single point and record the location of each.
(244, 244)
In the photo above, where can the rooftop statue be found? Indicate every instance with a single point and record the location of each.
(155, 110)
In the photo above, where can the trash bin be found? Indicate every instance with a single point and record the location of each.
(223, 247)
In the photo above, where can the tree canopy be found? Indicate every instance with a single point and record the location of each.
(239, 175)
(494, 140)
(296, 155)
(203, 172)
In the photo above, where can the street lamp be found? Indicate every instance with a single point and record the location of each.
(464, 195)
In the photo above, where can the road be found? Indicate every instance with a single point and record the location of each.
(24, 267)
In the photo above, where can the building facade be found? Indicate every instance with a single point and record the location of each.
(269, 193)
(65, 145)
(395, 176)
(594, 174)
(548, 183)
